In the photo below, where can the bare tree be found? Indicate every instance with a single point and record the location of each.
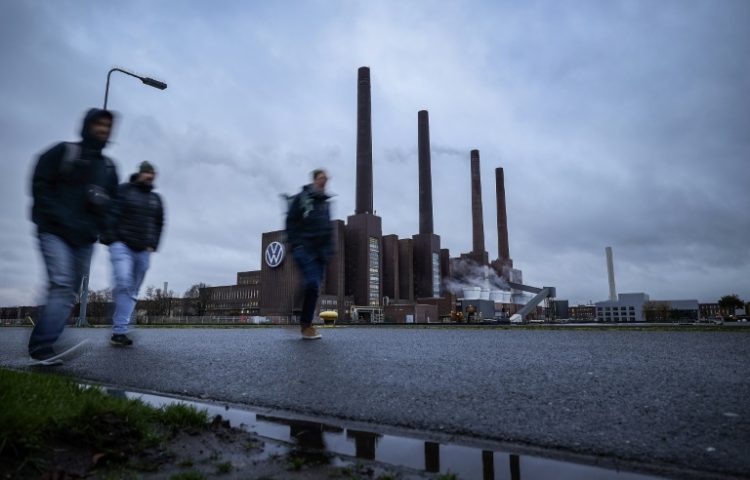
(99, 303)
(158, 302)
(197, 298)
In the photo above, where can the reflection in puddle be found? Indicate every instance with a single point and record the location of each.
(318, 442)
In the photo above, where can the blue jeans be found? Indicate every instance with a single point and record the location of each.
(66, 265)
(128, 268)
(312, 266)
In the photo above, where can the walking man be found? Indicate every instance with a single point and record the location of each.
(310, 236)
(136, 223)
(72, 187)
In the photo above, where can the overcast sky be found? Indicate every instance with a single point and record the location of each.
(618, 123)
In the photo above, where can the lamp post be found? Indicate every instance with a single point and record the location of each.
(151, 83)
(147, 80)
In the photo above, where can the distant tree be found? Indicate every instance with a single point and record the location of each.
(198, 298)
(158, 302)
(728, 303)
(99, 303)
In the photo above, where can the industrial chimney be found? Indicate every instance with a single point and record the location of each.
(503, 249)
(478, 251)
(364, 231)
(364, 143)
(427, 263)
(425, 172)
(611, 274)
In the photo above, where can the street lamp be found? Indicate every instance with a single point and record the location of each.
(147, 80)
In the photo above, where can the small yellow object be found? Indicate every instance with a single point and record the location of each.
(329, 317)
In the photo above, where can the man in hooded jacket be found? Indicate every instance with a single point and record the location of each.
(135, 226)
(72, 187)
(310, 236)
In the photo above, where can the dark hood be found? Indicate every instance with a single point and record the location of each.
(92, 115)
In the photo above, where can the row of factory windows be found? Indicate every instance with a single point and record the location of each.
(615, 318)
(615, 309)
(234, 294)
(215, 306)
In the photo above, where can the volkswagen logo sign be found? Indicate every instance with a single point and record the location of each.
(274, 254)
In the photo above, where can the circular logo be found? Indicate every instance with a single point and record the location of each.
(274, 254)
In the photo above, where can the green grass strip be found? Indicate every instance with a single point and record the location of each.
(37, 410)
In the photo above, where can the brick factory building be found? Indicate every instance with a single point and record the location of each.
(375, 277)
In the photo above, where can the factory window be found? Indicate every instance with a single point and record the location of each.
(435, 274)
(373, 295)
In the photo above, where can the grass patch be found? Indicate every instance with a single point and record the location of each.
(40, 410)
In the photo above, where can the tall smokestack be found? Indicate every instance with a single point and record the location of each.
(476, 205)
(425, 172)
(364, 143)
(503, 250)
(611, 274)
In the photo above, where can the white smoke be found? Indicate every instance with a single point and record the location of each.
(467, 273)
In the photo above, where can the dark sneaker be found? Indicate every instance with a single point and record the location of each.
(310, 333)
(45, 356)
(120, 340)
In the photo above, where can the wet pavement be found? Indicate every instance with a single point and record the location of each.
(670, 403)
(336, 443)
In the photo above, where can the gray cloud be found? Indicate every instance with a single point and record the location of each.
(617, 123)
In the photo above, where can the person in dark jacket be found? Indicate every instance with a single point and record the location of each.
(72, 187)
(310, 236)
(135, 225)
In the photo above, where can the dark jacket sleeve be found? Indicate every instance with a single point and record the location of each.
(46, 208)
(293, 219)
(159, 222)
(109, 231)
(115, 191)
(113, 181)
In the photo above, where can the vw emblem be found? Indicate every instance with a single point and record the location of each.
(274, 254)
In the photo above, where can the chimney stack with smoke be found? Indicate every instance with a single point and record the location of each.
(503, 249)
(478, 252)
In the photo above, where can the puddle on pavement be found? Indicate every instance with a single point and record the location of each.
(413, 453)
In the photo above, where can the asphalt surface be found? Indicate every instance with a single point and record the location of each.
(672, 401)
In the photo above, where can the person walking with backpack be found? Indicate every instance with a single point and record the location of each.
(310, 236)
(72, 188)
(135, 225)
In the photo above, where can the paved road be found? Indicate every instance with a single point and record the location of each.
(678, 400)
